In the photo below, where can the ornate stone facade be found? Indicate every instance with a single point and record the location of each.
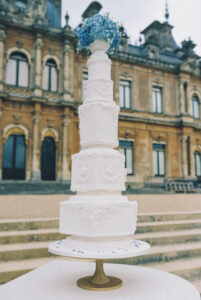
(157, 84)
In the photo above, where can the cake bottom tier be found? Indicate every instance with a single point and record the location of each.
(89, 218)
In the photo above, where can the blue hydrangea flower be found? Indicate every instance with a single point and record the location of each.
(97, 27)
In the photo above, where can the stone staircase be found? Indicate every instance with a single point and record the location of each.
(175, 240)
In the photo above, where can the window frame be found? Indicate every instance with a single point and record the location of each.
(195, 99)
(125, 148)
(197, 153)
(124, 86)
(159, 148)
(157, 90)
(50, 64)
(22, 58)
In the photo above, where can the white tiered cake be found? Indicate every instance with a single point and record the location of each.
(98, 217)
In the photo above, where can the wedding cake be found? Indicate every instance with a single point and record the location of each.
(98, 218)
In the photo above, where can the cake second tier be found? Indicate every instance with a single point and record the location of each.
(98, 169)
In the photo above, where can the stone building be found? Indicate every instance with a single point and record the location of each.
(157, 85)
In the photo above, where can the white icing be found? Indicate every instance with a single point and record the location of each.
(101, 90)
(98, 219)
(99, 67)
(98, 124)
(98, 169)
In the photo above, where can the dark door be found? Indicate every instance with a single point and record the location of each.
(48, 159)
(14, 158)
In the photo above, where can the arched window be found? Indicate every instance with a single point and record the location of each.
(17, 70)
(197, 157)
(195, 106)
(50, 76)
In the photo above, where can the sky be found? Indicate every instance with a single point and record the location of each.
(135, 15)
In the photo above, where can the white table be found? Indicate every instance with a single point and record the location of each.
(57, 281)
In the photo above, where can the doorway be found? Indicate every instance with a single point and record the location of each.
(14, 158)
(48, 159)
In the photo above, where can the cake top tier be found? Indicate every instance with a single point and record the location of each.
(98, 28)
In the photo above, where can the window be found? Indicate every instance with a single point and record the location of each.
(126, 148)
(125, 94)
(157, 99)
(84, 80)
(159, 159)
(197, 157)
(195, 107)
(21, 3)
(50, 76)
(17, 70)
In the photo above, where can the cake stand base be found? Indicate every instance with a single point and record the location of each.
(99, 281)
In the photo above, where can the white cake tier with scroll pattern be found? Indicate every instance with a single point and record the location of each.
(89, 218)
(99, 124)
(99, 90)
(98, 169)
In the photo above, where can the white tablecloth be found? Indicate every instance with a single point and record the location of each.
(57, 281)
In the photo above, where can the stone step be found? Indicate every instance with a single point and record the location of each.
(24, 251)
(170, 221)
(189, 269)
(173, 216)
(166, 253)
(39, 235)
(170, 237)
(167, 225)
(13, 187)
(14, 269)
(156, 254)
(27, 224)
(154, 238)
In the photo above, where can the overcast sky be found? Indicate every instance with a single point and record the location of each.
(135, 15)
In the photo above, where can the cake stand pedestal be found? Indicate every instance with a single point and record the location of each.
(99, 281)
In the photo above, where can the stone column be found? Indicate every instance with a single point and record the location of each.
(67, 71)
(181, 98)
(72, 73)
(65, 174)
(2, 38)
(191, 154)
(35, 172)
(116, 83)
(38, 66)
(1, 138)
(168, 157)
(184, 165)
(135, 92)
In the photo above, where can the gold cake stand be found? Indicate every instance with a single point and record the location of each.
(99, 281)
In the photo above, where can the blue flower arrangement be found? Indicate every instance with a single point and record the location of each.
(98, 27)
